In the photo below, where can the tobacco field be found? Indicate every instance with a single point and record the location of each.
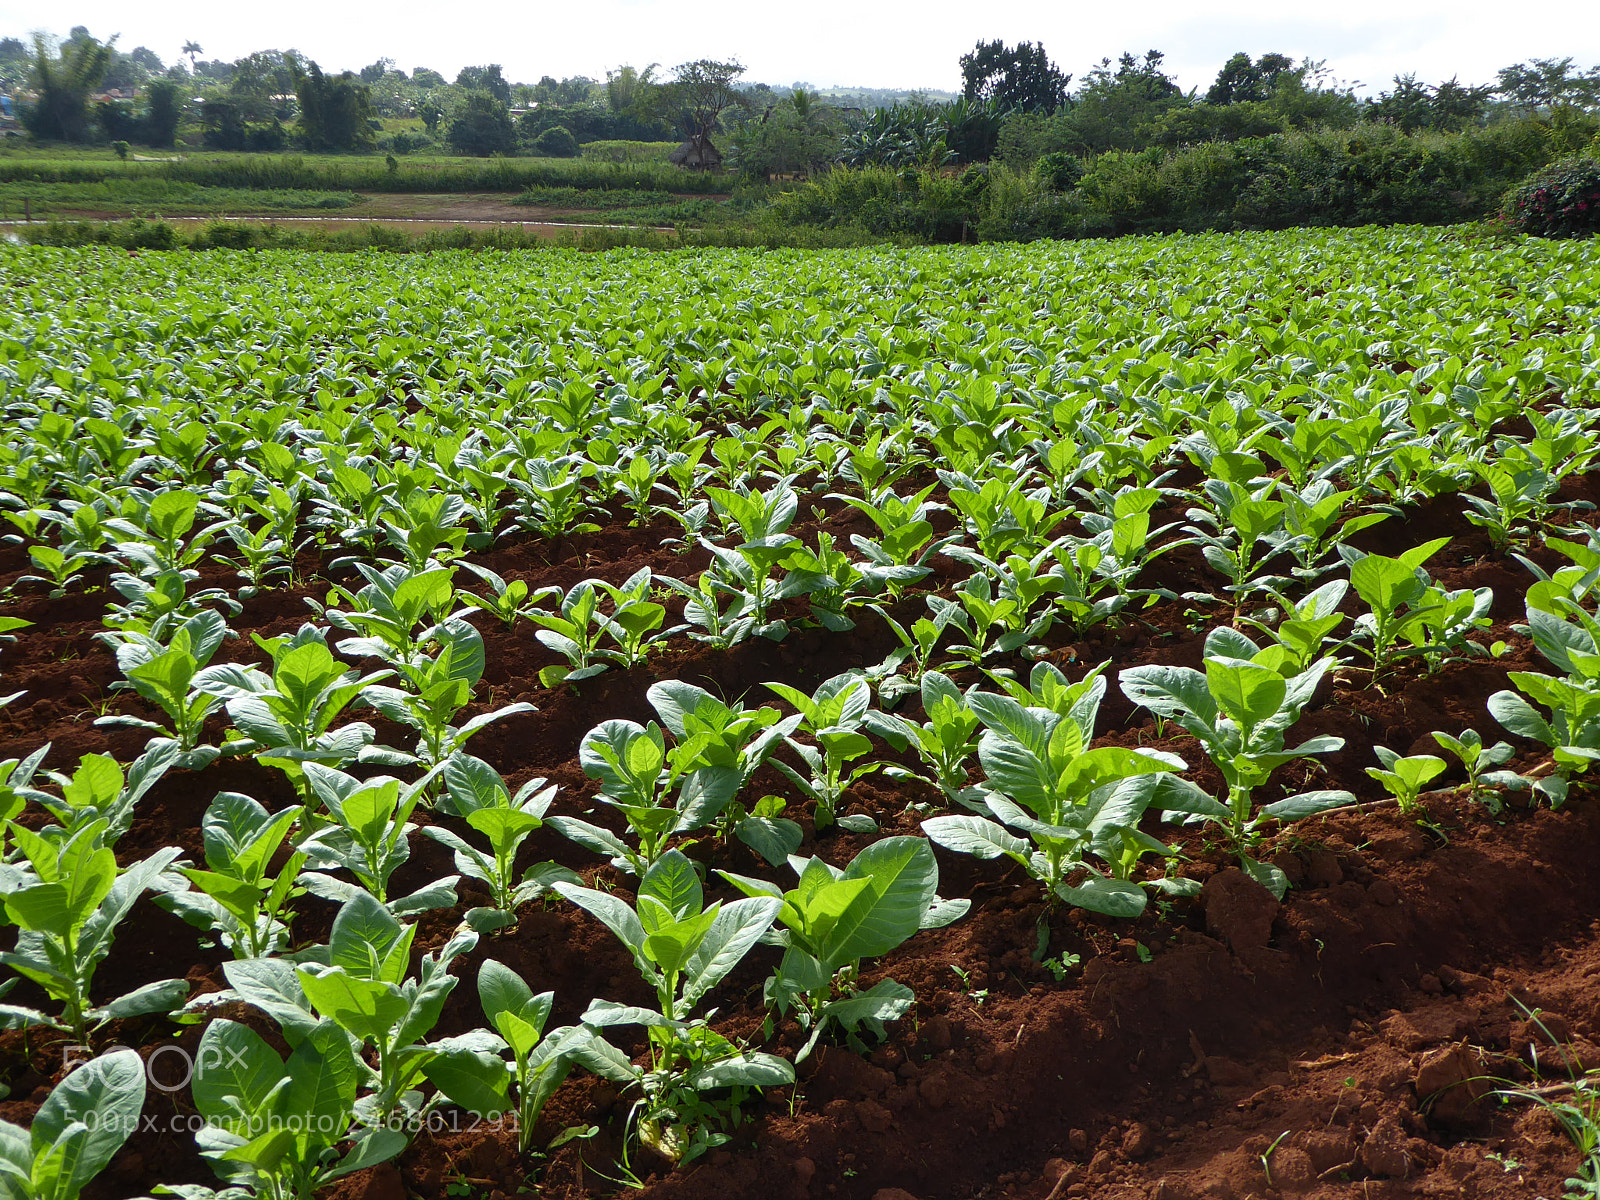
(1100, 719)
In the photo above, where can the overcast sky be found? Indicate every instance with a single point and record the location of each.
(877, 43)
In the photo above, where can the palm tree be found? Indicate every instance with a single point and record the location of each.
(192, 49)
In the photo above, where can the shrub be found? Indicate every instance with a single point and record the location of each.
(1563, 200)
(556, 142)
(1059, 171)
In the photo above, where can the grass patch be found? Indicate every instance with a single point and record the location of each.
(164, 196)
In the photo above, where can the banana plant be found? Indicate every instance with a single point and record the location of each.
(695, 1079)
(475, 792)
(67, 901)
(833, 919)
(237, 896)
(76, 1132)
(1240, 709)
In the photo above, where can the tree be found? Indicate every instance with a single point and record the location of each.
(193, 50)
(796, 136)
(161, 121)
(700, 92)
(1020, 78)
(63, 84)
(485, 79)
(147, 60)
(1548, 83)
(422, 77)
(1241, 81)
(373, 72)
(1413, 105)
(334, 110)
(481, 125)
(1114, 109)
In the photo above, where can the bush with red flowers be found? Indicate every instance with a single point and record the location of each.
(1563, 200)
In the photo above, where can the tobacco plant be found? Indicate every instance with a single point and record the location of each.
(695, 1080)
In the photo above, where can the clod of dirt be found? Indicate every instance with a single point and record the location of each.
(1384, 1152)
(892, 1193)
(1239, 910)
(874, 1117)
(1454, 1076)
(1426, 1027)
(1139, 1142)
(385, 1184)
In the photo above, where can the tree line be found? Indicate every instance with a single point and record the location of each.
(1016, 106)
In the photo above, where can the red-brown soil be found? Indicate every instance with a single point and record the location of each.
(1226, 1046)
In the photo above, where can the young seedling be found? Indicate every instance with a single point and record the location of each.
(1404, 778)
(1475, 759)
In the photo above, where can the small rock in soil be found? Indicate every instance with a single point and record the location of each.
(1102, 1163)
(1078, 1140)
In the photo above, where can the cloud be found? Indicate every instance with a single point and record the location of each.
(883, 43)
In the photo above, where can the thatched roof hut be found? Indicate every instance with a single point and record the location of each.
(702, 156)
